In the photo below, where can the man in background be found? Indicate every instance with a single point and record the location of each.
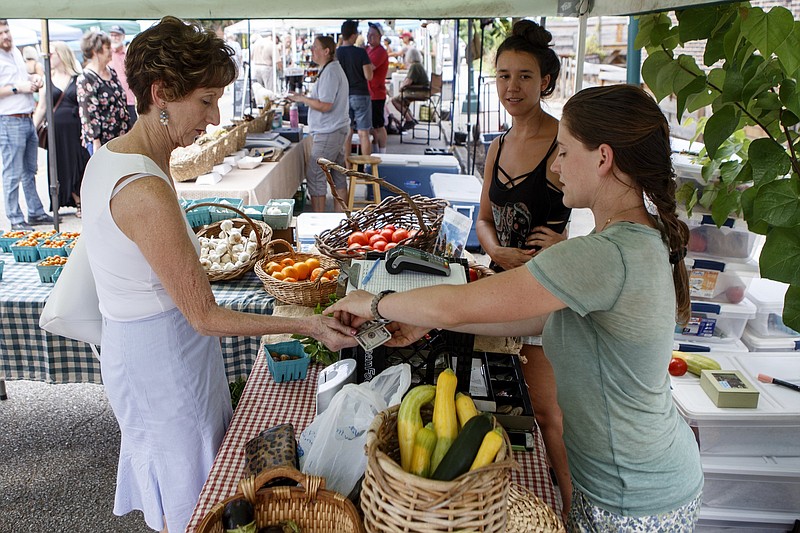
(118, 52)
(18, 141)
(377, 85)
(358, 68)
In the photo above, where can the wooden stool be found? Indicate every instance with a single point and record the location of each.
(354, 161)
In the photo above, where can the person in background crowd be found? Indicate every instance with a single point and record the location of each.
(522, 207)
(416, 87)
(634, 461)
(32, 61)
(18, 140)
(232, 41)
(262, 50)
(71, 156)
(162, 364)
(101, 97)
(328, 121)
(408, 44)
(377, 85)
(359, 71)
(118, 51)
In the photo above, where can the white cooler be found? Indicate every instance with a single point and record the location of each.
(463, 191)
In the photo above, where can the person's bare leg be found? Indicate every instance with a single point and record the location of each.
(363, 139)
(342, 192)
(318, 204)
(541, 382)
(380, 136)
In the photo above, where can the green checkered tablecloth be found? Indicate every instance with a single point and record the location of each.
(30, 353)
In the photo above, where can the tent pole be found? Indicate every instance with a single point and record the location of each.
(634, 56)
(581, 57)
(454, 47)
(52, 170)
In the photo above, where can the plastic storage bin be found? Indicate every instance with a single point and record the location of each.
(759, 343)
(733, 242)
(768, 295)
(735, 521)
(488, 137)
(772, 428)
(463, 191)
(717, 281)
(752, 483)
(291, 370)
(412, 172)
(716, 322)
(688, 171)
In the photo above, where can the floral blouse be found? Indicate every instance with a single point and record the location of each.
(102, 107)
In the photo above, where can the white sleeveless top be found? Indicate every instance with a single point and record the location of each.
(127, 287)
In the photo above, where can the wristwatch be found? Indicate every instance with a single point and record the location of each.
(14, 89)
(374, 307)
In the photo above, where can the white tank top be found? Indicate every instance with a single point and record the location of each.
(127, 287)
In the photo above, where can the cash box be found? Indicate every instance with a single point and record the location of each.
(728, 388)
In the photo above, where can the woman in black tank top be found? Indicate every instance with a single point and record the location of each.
(522, 209)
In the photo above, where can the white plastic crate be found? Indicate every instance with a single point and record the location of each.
(718, 281)
(737, 521)
(716, 322)
(752, 483)
(768, 295)
(770, 429)
(731, 243)
(759, 343)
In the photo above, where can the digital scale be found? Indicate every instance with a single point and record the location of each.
(269, 139)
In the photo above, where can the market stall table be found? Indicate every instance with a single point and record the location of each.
(28, 352)
(265, 404)
(255, 186)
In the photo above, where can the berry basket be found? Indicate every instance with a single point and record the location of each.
(10, 237)
(198, 215)
(47, 251)
(290, 369)
(25, 254)
(2, 264)
(420, 213)
(284, 218)
(256, 212)
(222, 212)
(50, 270)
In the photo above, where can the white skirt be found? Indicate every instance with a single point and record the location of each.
(167, 386)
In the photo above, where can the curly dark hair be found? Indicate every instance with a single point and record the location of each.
(529, 37)
(182, 56)
(628, 120)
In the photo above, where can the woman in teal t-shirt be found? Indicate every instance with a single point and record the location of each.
(606, 305)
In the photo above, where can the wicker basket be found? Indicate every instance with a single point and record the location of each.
(240, 134)
(188, 170)
(248, 226)
(529, 514)
(305, 293)
(310, 505)
(395, 500)
(411, 212)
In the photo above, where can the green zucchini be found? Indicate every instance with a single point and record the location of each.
(462, 452)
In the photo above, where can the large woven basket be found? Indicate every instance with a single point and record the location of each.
(248, 226)
(417, 212)
(529, 514)
(310, 505)
(304, 293)
(395, 500)
(189, 169)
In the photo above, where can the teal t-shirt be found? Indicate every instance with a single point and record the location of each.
(629, 450)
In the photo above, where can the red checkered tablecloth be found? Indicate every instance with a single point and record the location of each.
(265, 404)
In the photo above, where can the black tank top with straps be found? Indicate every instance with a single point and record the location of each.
(525, 202)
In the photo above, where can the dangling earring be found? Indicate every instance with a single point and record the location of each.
(163, 118)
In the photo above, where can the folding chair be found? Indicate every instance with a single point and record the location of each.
(430, 100)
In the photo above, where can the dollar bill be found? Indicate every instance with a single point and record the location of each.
(371, 335)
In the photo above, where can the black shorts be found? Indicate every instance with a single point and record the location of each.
(377, 113)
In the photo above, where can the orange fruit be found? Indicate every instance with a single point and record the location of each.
(290, 280)
(332, 274)
(312, 263)
(278, 275)
(315, 274)
(287, 261)
(302, 270)
(290, 272)
(272, 266)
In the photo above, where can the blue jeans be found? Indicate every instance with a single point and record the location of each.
(18, 147)
(360, 111)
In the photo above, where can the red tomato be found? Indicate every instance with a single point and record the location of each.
(389, 246)
(387, 234)
(390, 226)
(379, 245)
(399, 235)
(370, 232)
(376, 237)
(357, 237)
(473, 274)
(412, 232)
(677, 367)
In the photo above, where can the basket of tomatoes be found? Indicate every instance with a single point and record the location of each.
(419, 217)
(296, 277)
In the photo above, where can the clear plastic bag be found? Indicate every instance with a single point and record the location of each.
(332, 446)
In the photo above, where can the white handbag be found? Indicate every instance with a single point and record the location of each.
(73, 309)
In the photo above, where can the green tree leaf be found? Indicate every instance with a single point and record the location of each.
(768, 160)
(781, 255)
(790, 96)
(697, 87)
(791, 308)
(696, 24)
(719, 127)
(767, 31)
(734, 83)
(715, 49)
(778, 203)
(652, 68)
(726, 204)
(789, 51)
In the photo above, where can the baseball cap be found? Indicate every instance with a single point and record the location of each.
(406, 33)
(117, 29)
(377, 26)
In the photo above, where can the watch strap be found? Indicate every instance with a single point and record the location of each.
(374, 307)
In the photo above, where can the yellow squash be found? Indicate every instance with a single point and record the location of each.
(424, 444)
(492, 442)
(696, 363)
(465, 408)
(409, 421)
(445, 421)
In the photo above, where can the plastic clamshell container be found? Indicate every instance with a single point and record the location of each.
(6, 242)
(716, 322)
(768, 295)
(717, 281)
(733, 242)
(772, 428)
(220, 213)
(284, 218)
(713, 520)
(202, 215)
(25, 254)
(292, 370)
(759, 343)
(752, 483)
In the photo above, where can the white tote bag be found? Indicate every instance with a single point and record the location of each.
(73, 310)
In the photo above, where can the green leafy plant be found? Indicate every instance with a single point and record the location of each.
(752, 60)
(236, 388)
(316, 350)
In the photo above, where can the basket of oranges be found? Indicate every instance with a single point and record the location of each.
(295, 277)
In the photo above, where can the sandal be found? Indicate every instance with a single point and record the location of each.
(78, 211)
